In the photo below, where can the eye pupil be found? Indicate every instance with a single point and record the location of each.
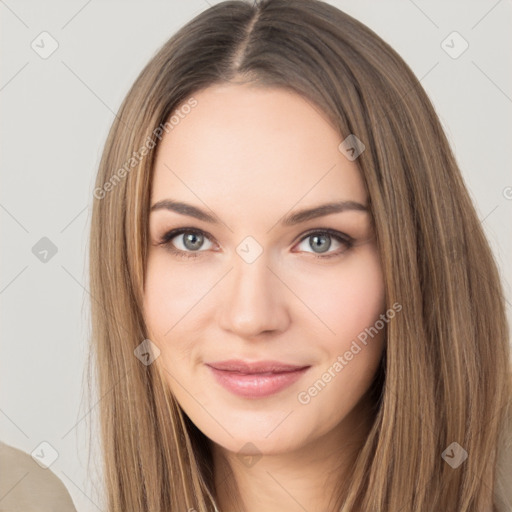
(193, 241)
(317, 240)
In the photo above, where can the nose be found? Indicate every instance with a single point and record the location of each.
(252, 300)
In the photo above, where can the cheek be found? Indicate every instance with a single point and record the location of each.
(169, 295)
(157, 307)
(346, 299)
(351, 304)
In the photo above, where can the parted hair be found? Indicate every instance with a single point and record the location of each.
(445, 375)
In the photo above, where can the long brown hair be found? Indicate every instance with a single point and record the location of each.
(445, 375)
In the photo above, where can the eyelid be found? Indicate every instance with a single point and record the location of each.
(341, 237)
(332, 232)
(165, 240)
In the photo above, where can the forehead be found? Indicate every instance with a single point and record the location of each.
(257, 150)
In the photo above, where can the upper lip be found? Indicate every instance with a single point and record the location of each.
(237, 365)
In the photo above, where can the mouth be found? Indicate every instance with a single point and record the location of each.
(257, 379)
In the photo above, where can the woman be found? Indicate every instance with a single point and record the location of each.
(241, 368)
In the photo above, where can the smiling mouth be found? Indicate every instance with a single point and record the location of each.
(258, 380)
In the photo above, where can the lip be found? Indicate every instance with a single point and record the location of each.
(238, 365)
(256, 379)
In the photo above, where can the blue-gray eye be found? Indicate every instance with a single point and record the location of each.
(320, 242)
(191, 240)
(192, 243)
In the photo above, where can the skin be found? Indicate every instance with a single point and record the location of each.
(249, 156)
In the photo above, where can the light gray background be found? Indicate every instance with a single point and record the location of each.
(55, 116)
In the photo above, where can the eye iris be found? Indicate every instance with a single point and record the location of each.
(317, 240)
(194, 239)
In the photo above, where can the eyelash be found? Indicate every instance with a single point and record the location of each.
(348, 241)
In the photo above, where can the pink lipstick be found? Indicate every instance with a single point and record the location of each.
(256, 379)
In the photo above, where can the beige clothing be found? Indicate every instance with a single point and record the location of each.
(42, 491)
(27, 487)
(503, 486)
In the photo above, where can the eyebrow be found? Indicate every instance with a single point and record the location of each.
(288, 220)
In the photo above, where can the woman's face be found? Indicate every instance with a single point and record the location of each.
(251, 279)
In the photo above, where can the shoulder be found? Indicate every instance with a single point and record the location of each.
(26, 486)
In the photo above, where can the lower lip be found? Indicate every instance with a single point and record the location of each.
(256, 385)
